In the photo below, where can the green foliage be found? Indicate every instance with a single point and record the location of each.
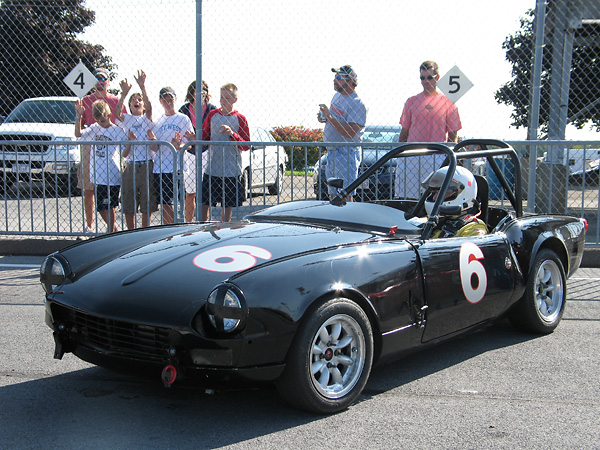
(39, 48)
(304, 156)
(585, 74)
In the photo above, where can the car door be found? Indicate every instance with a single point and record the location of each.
(467, 280)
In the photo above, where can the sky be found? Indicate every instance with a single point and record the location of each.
(280, 53)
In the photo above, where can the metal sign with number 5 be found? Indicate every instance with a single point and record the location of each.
(454, 84)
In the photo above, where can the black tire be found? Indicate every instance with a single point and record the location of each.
(246, 184)
(321, 192)
(6, 181)
(334, 342)
(61, 186)
(275, 189)
(542, 306)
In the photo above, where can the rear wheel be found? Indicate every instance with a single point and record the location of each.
(246, 183)
(542, 307)
(275, 188)
(330, 359)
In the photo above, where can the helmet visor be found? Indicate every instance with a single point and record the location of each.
(434, 183)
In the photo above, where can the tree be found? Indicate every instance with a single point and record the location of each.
(300, 157)
(585, 74)
(38, 48)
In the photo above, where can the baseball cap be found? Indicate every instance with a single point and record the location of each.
(167, 91)
(347, 71)
(102, 71)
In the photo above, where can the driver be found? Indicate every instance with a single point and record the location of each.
(458, 214)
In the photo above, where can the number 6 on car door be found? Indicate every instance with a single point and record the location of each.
(469, 265)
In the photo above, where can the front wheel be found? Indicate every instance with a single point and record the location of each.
(543, 304)
(330, 360)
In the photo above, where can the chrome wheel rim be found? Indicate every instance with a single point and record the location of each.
(549, 291)
(337, 356)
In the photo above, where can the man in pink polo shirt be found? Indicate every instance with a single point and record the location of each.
(427, 117)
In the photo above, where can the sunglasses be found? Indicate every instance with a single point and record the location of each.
(428, 77)
(342, 77)
(101, 78)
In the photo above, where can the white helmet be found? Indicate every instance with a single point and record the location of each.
(462, 190)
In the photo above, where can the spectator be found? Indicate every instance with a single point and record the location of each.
(176, 128)
(221, 181)
(138, 179)
(83, 182)
(459, 217)
(427, 117)
(105, 171)
(344, 122)
(189, 160)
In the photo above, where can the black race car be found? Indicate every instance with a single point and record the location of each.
(309, 294)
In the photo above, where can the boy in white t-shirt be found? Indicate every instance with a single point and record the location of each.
(138, 179)
(105, 170)
(176, 128)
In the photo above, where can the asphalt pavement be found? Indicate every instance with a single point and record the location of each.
(495, 389)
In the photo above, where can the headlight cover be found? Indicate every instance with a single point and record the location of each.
(226, 308)
(53, 272)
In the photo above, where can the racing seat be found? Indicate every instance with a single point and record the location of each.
(483, 195)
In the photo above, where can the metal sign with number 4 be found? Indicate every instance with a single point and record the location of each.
(454, 84)
(80, 80)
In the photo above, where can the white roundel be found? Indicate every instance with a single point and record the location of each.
(473, 277)
(231, 258)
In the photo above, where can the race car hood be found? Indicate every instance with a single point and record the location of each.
(182, 267)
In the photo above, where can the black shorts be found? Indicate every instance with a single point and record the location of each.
(229, 191)
(163, 186)
(107, 197)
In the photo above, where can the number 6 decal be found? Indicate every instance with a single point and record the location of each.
(470, 265)
(232, 258)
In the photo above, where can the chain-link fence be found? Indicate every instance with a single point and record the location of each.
(531, 72)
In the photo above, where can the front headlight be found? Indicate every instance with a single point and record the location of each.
(226, 308)
(53, 272)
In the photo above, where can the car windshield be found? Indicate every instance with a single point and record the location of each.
(43, 111)
(381, 134)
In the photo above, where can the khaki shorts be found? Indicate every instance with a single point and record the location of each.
(137, 188)
(83, 174)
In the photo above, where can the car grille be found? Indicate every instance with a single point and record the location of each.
(114, 337)
(37, 143)
(9, 164)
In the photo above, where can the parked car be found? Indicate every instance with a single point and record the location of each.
(589, 176)
(308, 294)
(381, 184)
(35, 122)
(263, 166)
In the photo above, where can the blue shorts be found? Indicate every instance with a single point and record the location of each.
(107, 197)
(342, 162)
(163, 186)
(229, 191)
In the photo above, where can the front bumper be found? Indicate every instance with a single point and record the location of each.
(134, 347)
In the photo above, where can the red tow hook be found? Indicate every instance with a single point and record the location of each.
(168, 375)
